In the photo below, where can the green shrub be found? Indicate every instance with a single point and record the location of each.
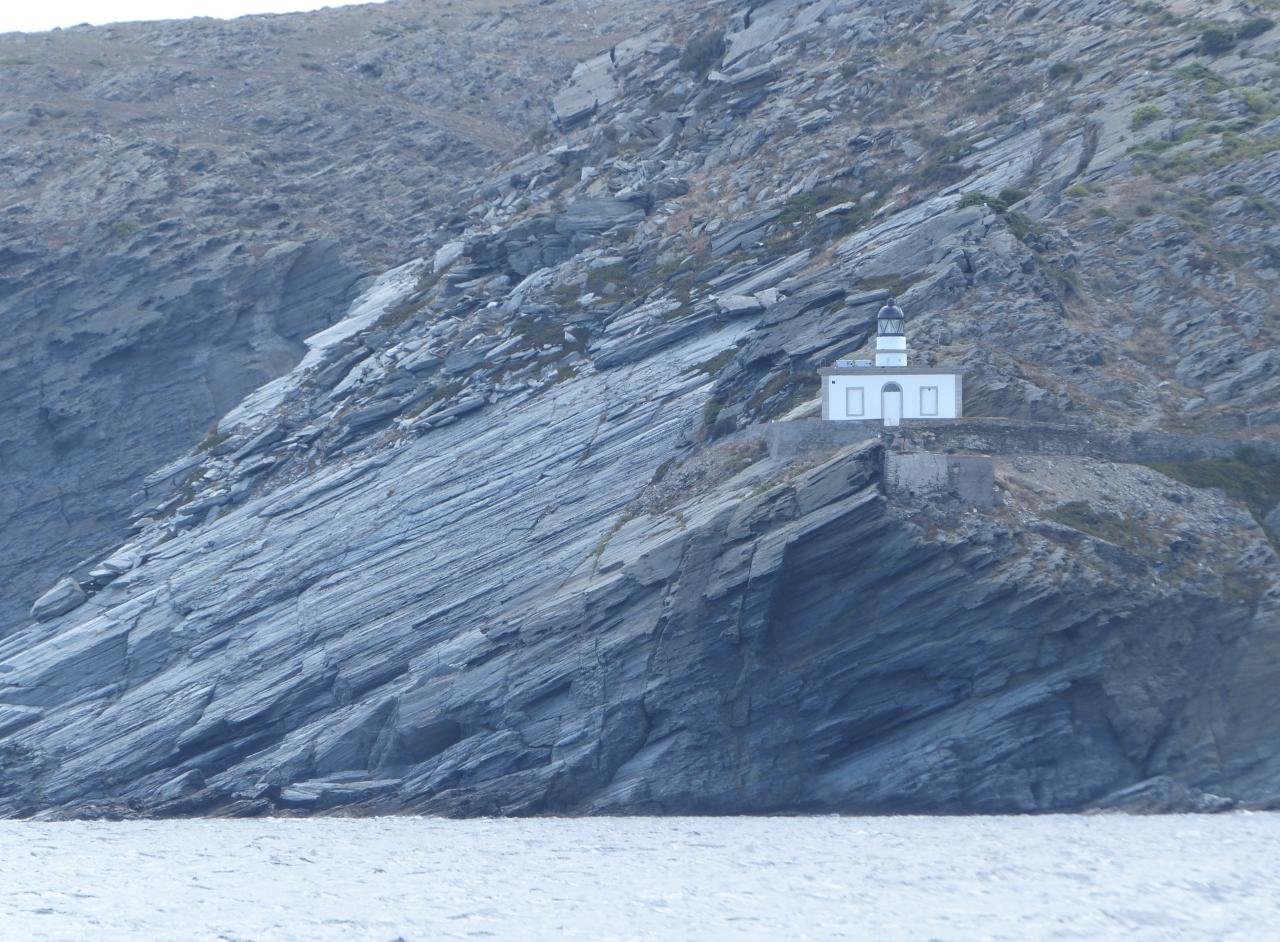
(212, 440)
(1217, 38)
(1020, 224)
(1254, 27)
(1064, 70)
(711, 411)
(1000, 204)
(611, 279)
(993, 94)
(1251, 477)
(946, 166)
(1080, 515)
(1068, 282)
(1256, 100)
(1260, 205)
(1077, 190)
(703, 52)
(713, 366)
(1198, 72)
(1144, 115)
(974, 198)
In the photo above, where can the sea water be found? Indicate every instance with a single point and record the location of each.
(420, 880)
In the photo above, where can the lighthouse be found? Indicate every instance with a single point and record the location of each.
(891, 337)
(892, 391)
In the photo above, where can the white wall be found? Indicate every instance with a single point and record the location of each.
(836, 392)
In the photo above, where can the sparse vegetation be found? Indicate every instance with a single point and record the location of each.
(799, 218)
(993, 95)
(703, 52)
(974, 198)
(603, 543)
(1080, 515)
(1198, 72)
(1251, 477)
(1256, 100)
(946, 166)
(999, 203)
(716, 363)
(1020, 224)
(609, 279)
(711, 411)
(1255, 26)
(1144, 115)
(212, 440)
(894, 284)
(1217, 38)
(1064, 71)
(1068, 282)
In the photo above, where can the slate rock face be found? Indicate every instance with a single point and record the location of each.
(551, 526)
(592, 85)
(389, 643)
(208, 194)
(101, 381)
(593, 217)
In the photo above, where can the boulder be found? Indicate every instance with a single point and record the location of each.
(368, 415)
(738, 305)
(742, 233)
(594, 216)
(592, 85)
(461, 407)
(447, 254)
(190, 781)
(62, 598)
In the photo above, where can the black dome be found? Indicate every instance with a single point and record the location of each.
(891, 320)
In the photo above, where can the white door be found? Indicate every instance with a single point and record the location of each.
(891, 405)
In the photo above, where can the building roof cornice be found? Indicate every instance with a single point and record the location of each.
(887, 370)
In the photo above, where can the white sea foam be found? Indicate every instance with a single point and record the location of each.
(1058, 877)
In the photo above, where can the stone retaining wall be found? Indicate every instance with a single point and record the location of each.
(1003, 437)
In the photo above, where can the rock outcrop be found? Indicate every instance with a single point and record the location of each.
(543, 523)
(206, 195)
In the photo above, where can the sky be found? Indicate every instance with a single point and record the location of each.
(47, 14)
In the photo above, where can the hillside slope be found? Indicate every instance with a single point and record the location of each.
(184, 202)
(542, 525)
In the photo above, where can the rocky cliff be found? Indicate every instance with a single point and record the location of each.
(185, 202)
(544, 523)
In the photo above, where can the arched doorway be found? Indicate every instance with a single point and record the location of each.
(891, 404)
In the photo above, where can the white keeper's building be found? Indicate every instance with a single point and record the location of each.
(890, 391)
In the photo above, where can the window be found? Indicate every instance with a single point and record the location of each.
(928, 400)
(853, 401)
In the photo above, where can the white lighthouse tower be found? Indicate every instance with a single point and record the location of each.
(891, 337)
(891, 392)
